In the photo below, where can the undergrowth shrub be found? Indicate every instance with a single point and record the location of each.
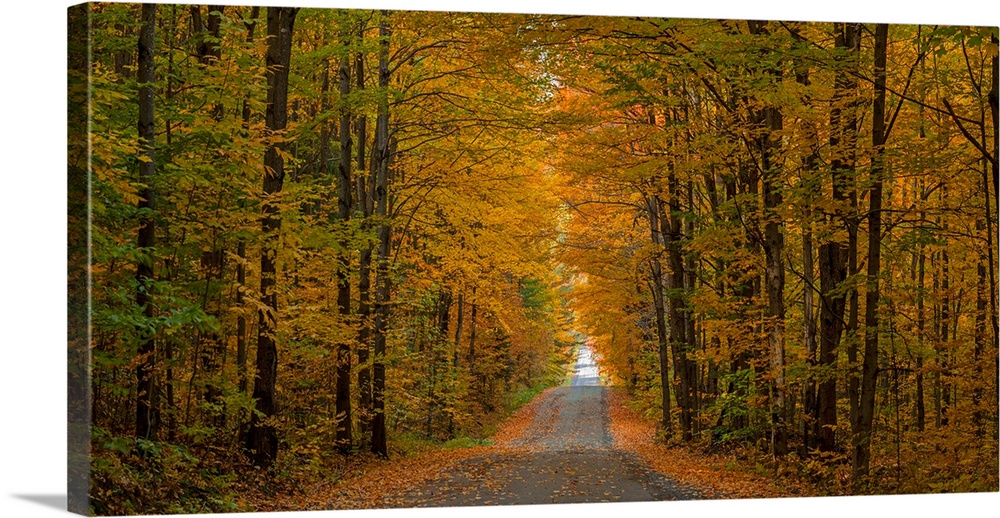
(138, 476)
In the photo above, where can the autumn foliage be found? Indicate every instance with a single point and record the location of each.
(321, 238)
(798, 219)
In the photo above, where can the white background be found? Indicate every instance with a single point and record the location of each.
(33, 266)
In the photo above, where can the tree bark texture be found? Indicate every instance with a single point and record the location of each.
(861, 452)
(145, 416)
(262, 438)
(365, 198)
(379, 446)
(653, 209)
(833, 255)
(344, 194)
(767, 122)
(670, 225)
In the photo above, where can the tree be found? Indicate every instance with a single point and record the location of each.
(145, 416)
(653, 212)
(380, 156)
(344, 194)
(262, 439)
(860, 456)
(365, 200)
(833, 256)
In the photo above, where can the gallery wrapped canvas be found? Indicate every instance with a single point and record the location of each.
(329, 258)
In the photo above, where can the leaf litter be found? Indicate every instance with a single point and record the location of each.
(546, 452)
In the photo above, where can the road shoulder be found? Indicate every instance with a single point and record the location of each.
(716, 476)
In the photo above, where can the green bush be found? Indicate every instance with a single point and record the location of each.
(137, 476)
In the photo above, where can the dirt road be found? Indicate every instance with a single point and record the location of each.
(566, 455)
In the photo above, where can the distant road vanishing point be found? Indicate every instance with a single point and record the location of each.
(566, 455)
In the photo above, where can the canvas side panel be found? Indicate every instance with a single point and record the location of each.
(78, 258)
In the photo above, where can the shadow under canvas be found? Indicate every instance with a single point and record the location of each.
(56, 501)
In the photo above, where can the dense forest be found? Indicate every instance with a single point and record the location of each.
(322, 235)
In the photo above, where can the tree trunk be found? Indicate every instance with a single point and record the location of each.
(810, 175)
(774, 244)
(653, 210)
(833, 256)
(209, 51)
(690, 322)
(766, 123)
(145, 409)
(344, 193)
(241, 321)
(979, 346)
(861, 453)
(459, 322)
(944, 390)
(676, 305)
(936, 337)
(472, 335)
(921, 337)
(742, 292)
(241, 252)
(262, 438)
(851, 339)
(365, 198)
(443, 321)
(207, 33)
(379, 446)
(810, 407)
(992, 101)
(325, 135)
(990, 212)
